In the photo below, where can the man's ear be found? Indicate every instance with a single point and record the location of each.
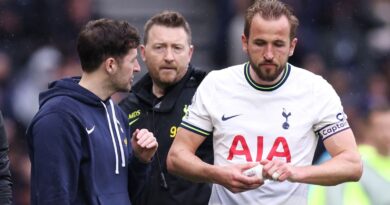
(110, 65)
(292, 46)
(244, 42)
(191, 51)
(142, 48)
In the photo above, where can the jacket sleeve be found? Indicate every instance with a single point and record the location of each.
(139, 173)
(5, 175)
(55, 153)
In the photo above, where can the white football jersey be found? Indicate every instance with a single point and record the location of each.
(250, 122)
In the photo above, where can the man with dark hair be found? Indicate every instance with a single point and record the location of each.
(80, 145)
(265, 111)
(159, 101)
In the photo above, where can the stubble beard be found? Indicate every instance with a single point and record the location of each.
(266, 76)
(166, 80)
(123, 88)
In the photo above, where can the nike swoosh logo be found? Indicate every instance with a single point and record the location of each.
(133, 121)
(227, 118)
(89, 131)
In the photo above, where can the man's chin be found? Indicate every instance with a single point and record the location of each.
(167, 79)
(167, 82)
(270, 75)
(269, 78)
(124, 90)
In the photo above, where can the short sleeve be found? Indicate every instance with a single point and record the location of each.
(198, 119)
(331, 118)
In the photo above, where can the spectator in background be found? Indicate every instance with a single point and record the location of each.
(68, 18)
(12, 28)
(374, 184)
(69, 66)
(378, 38)
(225, 12)
(40, 70)
(5, 74)
(315, 63)
(377, 90)
(5, 175)
(236, 26)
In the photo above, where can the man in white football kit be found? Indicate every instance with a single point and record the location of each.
(266, 111)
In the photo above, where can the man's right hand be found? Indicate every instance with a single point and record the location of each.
(232, 177)
(144, 145)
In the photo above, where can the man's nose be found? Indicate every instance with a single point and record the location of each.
(269, 53)
(169, 56)
(137, 67)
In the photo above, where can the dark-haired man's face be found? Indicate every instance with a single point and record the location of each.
(166, 54)
(123, 77)
(268, 47)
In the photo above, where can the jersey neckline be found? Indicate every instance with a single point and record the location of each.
(275, 86)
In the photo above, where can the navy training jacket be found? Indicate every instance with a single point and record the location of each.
(80, 150)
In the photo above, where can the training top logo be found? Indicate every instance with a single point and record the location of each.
(185, 110)
(224, 118)
(134, 116)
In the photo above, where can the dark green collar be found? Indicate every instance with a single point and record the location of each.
(275, 86)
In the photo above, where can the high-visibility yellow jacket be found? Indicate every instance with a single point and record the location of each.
(373, 188)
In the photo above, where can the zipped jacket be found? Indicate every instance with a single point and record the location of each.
(162, 116)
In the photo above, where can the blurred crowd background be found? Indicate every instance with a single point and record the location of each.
(346, 41)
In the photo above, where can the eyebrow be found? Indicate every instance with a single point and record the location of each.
(133, 58)
(166, 44)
